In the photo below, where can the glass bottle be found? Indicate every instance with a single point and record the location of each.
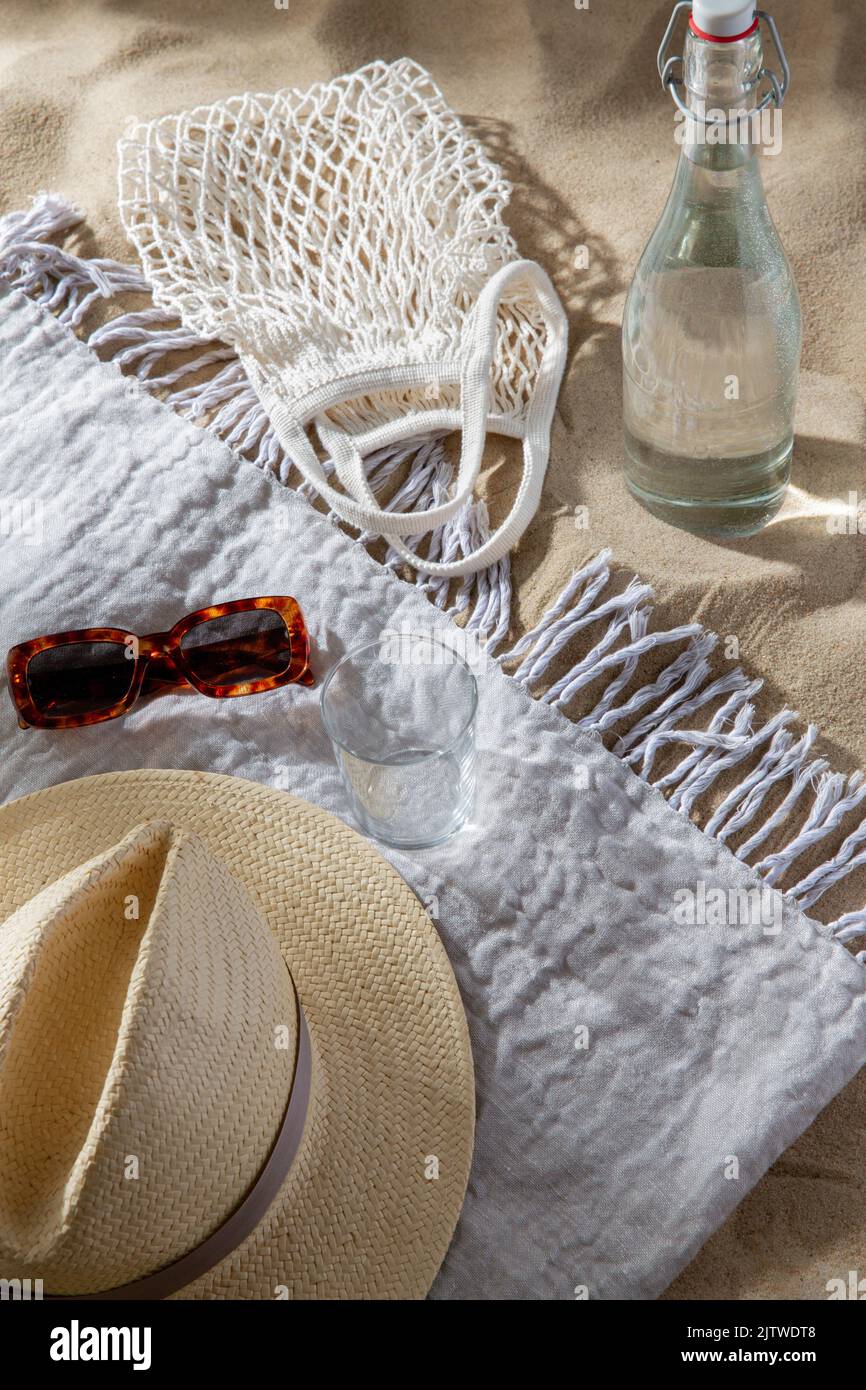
(711, 327)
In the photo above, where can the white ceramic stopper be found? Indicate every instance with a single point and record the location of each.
(724, 19)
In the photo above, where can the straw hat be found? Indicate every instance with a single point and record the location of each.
(171, 1111)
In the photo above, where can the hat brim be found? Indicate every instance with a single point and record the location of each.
(370, 1204)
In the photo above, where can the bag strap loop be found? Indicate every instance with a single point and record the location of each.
(358, 505)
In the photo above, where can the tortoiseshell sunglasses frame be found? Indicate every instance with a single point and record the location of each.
(160, 661)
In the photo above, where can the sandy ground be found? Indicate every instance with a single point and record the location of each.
(569, 102)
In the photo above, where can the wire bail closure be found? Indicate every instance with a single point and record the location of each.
(671, 81)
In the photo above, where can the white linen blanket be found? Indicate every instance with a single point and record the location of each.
(635, 1075)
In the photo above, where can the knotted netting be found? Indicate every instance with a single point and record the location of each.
(349, 243)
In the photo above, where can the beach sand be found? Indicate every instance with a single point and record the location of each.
(568, 100)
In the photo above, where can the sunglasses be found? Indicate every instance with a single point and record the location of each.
(96, 673)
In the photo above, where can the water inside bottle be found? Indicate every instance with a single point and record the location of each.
(711, 327)
(709, 400)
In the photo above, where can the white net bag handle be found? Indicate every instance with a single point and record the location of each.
(358, 505)
(348, 242)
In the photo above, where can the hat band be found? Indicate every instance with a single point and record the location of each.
(252, 1210)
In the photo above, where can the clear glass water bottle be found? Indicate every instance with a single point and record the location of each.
(711, 328)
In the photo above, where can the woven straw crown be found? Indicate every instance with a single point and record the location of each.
(153, 1038)
(148, 1033)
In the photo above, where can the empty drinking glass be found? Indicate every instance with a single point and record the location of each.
(400, 713)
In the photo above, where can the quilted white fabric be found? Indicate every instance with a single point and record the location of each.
(598, 1168)
(349, 243)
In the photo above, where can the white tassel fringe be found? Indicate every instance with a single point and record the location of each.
(138, 343)
(770, 752)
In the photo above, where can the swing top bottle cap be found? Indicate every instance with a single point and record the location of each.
(722, 20)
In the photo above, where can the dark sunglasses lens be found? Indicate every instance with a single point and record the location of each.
(80, 677)
(253, 645)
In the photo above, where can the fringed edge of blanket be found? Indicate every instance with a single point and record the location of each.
(777, 765)
(782, 787)
(168, 361)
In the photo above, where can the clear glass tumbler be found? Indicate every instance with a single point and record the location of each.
(400, 713)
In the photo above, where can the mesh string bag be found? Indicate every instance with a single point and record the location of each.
(348, 242)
